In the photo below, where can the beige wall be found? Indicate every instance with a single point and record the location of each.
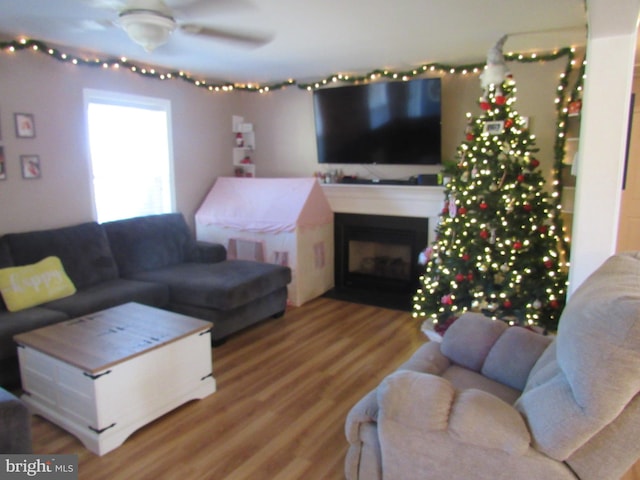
(53, 92)
(283, 120)
(285, 138)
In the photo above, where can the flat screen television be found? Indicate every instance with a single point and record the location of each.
(380, 123)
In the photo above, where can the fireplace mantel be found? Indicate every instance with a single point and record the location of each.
(398, 200)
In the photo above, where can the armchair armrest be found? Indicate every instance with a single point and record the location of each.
(365, 411)
(426, 359)
(423, 403)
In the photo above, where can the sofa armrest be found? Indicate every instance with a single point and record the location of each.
(15, 424)
(426, 403)
(210, 252)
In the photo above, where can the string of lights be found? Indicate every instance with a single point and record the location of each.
(124, 64)
(27, 44)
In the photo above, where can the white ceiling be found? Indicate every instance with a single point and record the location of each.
(310, 40)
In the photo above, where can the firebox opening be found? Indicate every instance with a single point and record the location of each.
(376, 258)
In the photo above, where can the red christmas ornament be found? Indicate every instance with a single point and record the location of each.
(534, 163)
(484, 234)
(460, 277)
(462, 210)
(501, 99)
(484, 105)
(527, 207)
(521, 178)
(470, 276)
(542, 229)
(548, 264)
(466, 257)
(554, 304)
(517, 245)
(508, 123)
(507, 304)
(470, 137)
(483, 205)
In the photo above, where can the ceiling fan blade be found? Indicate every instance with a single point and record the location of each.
(198, 10)
(236, 36)
(107, 4)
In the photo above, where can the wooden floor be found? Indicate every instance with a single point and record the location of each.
(284, 389)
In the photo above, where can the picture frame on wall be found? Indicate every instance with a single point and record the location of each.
(25, 125)
(3, 165)
(30, 165)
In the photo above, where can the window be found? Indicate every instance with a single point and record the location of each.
(130, 151)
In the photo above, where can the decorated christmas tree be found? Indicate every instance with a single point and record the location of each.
(497, 248)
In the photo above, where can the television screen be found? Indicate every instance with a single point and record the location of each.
(380, 123)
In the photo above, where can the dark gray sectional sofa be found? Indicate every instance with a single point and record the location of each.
(152, 260)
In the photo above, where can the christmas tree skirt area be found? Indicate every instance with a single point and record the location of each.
(392, 300)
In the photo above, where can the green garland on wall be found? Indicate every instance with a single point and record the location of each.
(150, 72)
(562, 99)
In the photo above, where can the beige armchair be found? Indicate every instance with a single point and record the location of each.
(497, 402)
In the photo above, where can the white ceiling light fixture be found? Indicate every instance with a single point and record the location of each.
(148, 28)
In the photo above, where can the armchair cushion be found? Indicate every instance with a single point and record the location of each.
(513, 356)
(469, 339)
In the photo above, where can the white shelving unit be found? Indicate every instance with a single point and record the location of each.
(245, 144)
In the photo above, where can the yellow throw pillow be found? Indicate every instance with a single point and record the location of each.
(30, 285)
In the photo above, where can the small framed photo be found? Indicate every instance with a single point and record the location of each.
(493, 128)
(25, 125)
(30, 166)
(3, 165)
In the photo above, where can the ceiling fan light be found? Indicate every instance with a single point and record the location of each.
(148, 29)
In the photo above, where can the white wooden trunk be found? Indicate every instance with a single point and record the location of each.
(103, 408)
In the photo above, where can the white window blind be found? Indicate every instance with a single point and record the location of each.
(130, 150)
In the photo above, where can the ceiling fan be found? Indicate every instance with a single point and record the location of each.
(150, 23)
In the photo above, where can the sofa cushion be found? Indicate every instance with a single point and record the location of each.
(5, 254)
(83, 249)
(5, 261)
(109, 294)
(223, 285)
(147, 243)
(19, 322)
(30, 285)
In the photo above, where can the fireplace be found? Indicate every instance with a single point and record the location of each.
(376, 258)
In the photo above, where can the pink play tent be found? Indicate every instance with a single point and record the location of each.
(287, 221)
